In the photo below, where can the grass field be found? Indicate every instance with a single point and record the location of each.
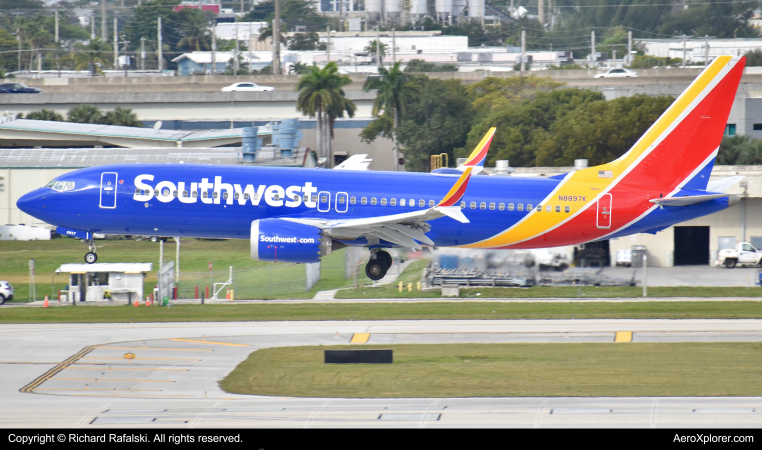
(385, 311)
(195, 255)
(509, 370)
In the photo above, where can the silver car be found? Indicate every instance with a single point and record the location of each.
(617, 73)
(6, 292)
(247, 87)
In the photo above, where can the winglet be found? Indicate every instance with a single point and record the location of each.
(457, 190)
(476, 160)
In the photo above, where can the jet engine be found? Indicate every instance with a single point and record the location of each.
(281, 240)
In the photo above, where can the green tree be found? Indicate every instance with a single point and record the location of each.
(393, 95)
(321, 95)
(740, 150)
(599, 131)
(94, 56)
(84, 114)
(371, 48)
(193, 29)
(123, 117)
(419, 65)
(8, 43)
(754, 57)
(45, 114)
(305, 41)
(293, 12)
(299, 68)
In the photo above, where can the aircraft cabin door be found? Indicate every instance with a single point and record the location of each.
(108, 190)
(324, 201)
(604, 211)
(342, 202)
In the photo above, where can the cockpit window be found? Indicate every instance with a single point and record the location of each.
(51, 184)
(62, 186)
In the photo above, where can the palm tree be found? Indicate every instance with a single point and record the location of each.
(321, 95)
(393, 92)
(372, 48)
(123, 117)
(93, 56)
(84, 114)
(45, 114)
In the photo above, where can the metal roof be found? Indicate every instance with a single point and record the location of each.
(88, 157)
(105, 267)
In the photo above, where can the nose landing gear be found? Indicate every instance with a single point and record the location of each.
(91, 256)
(379, 263)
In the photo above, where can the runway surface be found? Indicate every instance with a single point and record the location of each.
(75, 375)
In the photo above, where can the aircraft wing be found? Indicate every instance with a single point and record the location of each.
(406, 229)
(355, 162)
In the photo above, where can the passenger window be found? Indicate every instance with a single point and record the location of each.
(314, 198)
(323, 198)
(492, 206)
(567, 209)
(352, 200)
(473, 205)
(137, 191)
(236, 196)
(373, 200)
(530, 207)
(216, 194)
(558, 208)
(539, 208)
(165, 192)
(510, 206)
(393, 202)
(156, 192)
(246, 197)
(225, 195)
(501, 207)
(520, 207)
(194, 194)
(431, 203)
(383, 202)
(185, 194)
(402, 202)
(341, 199)
(412, 203)
(483, 205)
(421, 203)
(462, 205)
(549, 208)
(306, 198)
(364, 201)
(174, 194)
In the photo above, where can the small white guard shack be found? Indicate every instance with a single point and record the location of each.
(105, 281)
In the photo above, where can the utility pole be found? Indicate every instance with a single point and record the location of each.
(276, 40)
(328, 44)
(235, 55)
(241, 8)
(56, 26)
(214, 50)
(706, 51)
(124, 50)
(378, 47)
(394, 45)
(592, 48)
(251, 42)
(161, 57)
(523, 50)
(116, 46)
(92, 29)
(541, 13)
(142, 53)
(18, 36)
(684, 51)
(629, 48)
(104, 31)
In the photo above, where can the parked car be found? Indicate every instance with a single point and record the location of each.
(247, 87)
(18, 88)
(617, 73)
(742, 254)
(6, 292)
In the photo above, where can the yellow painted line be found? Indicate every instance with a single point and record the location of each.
(623, 336)
(29, 388)
(103, 369)
(157, 359)
(210, 342)
(360, 338)
(112, 379)
(156, 348)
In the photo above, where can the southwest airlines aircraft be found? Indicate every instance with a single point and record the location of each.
(297, 215)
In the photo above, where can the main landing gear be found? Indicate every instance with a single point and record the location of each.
(90, 256)
(379, 264)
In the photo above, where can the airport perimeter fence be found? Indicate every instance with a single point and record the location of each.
(269, 282)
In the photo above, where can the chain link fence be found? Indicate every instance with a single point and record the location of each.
(273, 281)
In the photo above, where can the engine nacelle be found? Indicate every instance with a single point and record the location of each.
(281, 240)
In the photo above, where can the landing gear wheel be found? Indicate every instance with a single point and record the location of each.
(376, 269)
(90, 257)
(386, 257)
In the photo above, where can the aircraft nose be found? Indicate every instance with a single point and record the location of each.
(29, 203)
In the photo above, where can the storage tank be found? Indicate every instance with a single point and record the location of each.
(393, 7)
(373, 9)
(458, 6)
(418, 7)
(475, 9)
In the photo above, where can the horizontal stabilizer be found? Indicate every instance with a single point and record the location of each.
(687, 200)
(724, 184)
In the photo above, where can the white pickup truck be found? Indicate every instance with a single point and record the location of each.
(743, 254)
